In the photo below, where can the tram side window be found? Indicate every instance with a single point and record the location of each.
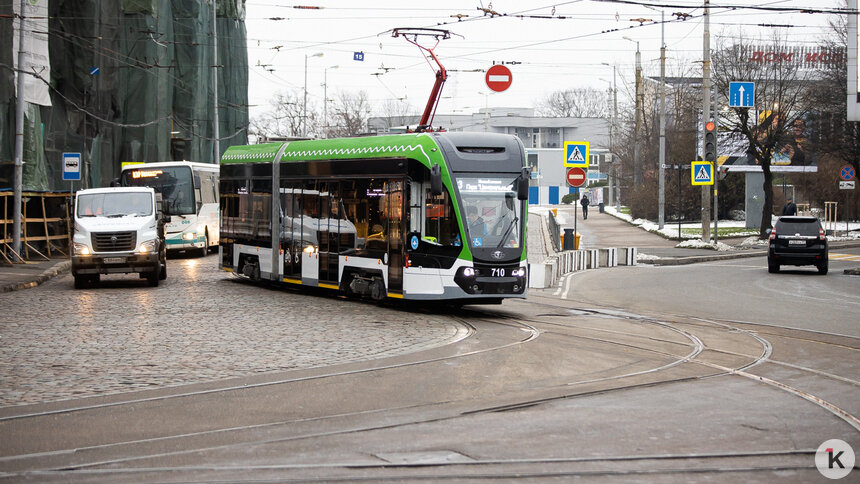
(230, 206)
(354, 198)
(440, 222)
(377, 211)
(260, 209)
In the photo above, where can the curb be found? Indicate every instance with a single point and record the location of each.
(58, 269)
(676, 261)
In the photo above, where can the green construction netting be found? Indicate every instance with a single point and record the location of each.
(154, 59)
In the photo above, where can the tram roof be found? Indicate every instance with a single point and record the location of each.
(413, 145)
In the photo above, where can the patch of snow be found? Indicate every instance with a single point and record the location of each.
(641, 256)
(698, 244)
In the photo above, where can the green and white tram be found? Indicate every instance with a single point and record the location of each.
(427, 216)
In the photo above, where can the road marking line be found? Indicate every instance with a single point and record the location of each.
(837, 256)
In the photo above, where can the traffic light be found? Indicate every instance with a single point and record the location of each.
(710, 142)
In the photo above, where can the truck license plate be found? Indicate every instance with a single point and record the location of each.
(114, 260)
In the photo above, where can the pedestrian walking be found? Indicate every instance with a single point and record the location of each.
(790, 208)
(584, 202)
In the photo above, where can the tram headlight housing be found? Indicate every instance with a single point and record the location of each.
(468, 272)
(519, 272)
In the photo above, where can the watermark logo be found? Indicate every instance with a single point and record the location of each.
(834, 459)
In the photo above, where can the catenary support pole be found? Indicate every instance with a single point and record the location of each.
(661, 217)
(216, 148)
(19, 140)
(706, 115)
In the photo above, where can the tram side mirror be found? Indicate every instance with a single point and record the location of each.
(436, 180)
(523, 185)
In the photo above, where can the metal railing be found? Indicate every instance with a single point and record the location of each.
(555, 232)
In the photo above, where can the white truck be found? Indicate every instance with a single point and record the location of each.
(118, 230)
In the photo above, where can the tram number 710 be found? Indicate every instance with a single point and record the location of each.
(498, 272)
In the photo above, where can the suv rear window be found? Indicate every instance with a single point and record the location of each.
(808, 226)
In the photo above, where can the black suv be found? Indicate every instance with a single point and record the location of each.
(797, 241)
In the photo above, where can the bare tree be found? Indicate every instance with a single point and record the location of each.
(395, 112)
(583, 102)
(285, 118)
(351, 112)
(780, 98)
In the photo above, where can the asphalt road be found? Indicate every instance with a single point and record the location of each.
(624, 374)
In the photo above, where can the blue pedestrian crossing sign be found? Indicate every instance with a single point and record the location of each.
(741, 94)
(576, 154)
(702, 173)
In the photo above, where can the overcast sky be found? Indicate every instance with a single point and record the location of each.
(556, 45)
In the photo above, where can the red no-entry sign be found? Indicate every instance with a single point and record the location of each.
(498, 78)
(576, 177)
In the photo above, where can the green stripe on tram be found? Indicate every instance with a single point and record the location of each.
(417, 146)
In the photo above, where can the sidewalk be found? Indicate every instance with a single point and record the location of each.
(603, 230)
(31, 273)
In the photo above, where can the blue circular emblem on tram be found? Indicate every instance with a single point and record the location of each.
(414, 242)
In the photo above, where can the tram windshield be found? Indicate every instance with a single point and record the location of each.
(493, 214)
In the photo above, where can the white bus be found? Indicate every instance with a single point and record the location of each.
(190, 192)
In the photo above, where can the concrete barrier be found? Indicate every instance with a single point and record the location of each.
(547, 273)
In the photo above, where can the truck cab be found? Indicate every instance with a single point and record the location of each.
(118, 230)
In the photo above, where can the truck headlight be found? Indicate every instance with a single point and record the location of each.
(148, 246)
(81, 249)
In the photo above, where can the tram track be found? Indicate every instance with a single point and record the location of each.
(534, 328)
(512, 468)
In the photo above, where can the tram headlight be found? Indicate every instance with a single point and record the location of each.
(468, 272)
(310, 249)
(519, 272)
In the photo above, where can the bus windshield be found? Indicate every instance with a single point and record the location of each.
(175, 184)
(492, 211)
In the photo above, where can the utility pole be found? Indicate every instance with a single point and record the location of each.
(216, 150)
(19, 141)
(662, 186)
(715, 172)
(706, 116)
(637, 163)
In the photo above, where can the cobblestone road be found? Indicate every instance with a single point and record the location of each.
(199, 325)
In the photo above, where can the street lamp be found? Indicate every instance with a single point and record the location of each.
(637, 169)
(305, 103)
(325, 95)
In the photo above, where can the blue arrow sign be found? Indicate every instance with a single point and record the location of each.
(741, 94)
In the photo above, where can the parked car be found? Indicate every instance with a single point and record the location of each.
(797, 241)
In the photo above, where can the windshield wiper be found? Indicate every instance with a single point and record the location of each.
(507, 231)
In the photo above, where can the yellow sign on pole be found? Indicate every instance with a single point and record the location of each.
(702, 173)
(576, 154)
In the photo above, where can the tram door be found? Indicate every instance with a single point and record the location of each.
(396, 199)
(329, 231)
(291, 231)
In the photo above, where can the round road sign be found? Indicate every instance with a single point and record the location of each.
(576, 177)
(498, 78)
(847, 173)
